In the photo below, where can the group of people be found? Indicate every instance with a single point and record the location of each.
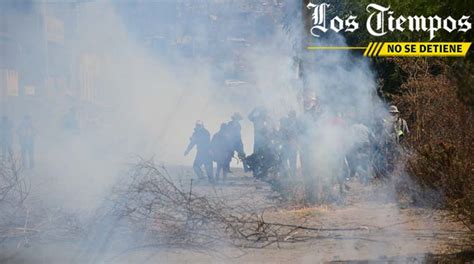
(25, 132)
(220, 148)
(277, 147)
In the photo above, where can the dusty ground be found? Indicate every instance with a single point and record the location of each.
(387, 233)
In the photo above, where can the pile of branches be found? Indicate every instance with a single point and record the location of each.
(22, 217)
(171, 215)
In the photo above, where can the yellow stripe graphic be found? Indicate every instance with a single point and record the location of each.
(380, 48)
(372, 53)
(368, 48)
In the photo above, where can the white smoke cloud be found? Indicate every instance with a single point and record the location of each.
(149, 103)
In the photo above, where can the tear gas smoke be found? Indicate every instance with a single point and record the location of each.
(138, 100)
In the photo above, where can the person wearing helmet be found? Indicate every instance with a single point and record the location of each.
(221, 151)
(201, 139)
(395, 126)
(235, 133)
(236, 117)
(394, 130)
(259, 118)
(311, 112)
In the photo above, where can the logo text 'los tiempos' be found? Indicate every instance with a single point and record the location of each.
(381, 21)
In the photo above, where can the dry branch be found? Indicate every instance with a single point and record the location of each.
(22, 217)
(172, 215)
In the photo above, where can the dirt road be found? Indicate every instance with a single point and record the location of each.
(385, 233)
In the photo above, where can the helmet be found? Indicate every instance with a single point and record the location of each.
(393, 109)
(199, 123)
(236, 116)
(258, 113)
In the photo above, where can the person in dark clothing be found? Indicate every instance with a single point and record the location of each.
(6, 137)
(258, 117)
(201, 139)
(266, 151)
(26, 135)
(235, 133)
(222, 151)
(235, 139)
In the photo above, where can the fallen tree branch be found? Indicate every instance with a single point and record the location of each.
(169, 214)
